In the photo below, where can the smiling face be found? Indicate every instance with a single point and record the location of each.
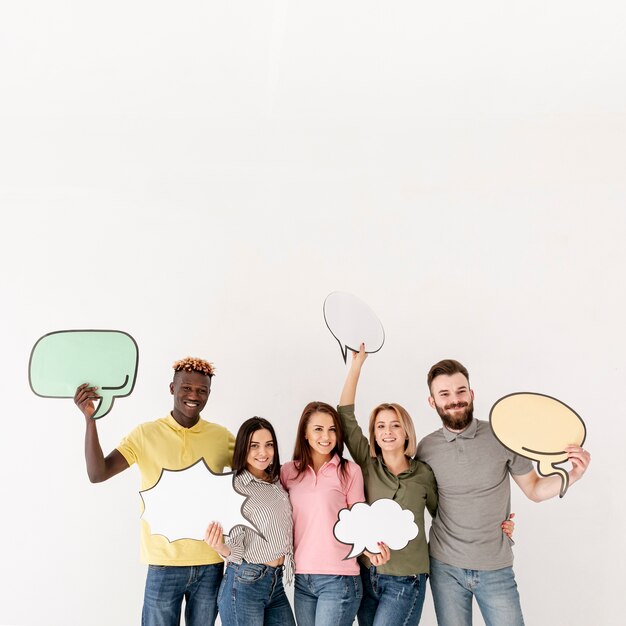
(321, 435)
(191, 391)
(453, 400)
(389, 432)
(260, 452)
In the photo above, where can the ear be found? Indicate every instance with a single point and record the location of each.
(172, 388)
(472, 392)
(431, 401)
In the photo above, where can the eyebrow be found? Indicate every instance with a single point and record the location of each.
(461, 388)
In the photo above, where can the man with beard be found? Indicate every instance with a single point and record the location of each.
(469, 554)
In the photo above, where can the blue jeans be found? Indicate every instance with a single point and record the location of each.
(167, 585)
(253, 595)
(327, 600)
(495, 592)
(387, 600)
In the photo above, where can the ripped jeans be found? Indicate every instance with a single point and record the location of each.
(396, 600)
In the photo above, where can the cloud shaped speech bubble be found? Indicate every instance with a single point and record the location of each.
(538, 427)
(364, 525)
(182, 503)
(352, 323)
(62, 360)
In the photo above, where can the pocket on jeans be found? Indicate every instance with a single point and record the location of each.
(249, 573)
(357, 586)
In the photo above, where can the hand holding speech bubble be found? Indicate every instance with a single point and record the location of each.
(352, 323)
(63, 360)
(182, 503)
(538, 427)
(364, 525)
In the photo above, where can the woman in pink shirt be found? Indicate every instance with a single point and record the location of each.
(320, 483)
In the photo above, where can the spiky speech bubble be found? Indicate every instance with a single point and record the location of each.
(182, 503)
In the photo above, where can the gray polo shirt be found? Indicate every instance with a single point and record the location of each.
(472, 471)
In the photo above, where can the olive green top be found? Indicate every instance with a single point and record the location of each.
(414, 489)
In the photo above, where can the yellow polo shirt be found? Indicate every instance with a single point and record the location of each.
(164, 443)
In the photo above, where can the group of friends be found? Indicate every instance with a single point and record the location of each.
(459, 473)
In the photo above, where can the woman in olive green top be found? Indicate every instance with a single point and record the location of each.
(392, 593)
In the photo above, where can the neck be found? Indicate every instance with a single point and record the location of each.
(318, 460)
(397, 462)
(183, 420)
(257, 473)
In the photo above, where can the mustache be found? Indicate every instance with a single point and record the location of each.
(457, 405)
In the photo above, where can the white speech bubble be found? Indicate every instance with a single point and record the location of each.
(364, 525)
(352, 323)
(182, 503)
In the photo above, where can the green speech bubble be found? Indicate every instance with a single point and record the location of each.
(63, 360)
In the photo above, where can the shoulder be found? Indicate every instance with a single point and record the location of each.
(214, 429)
(429, 440)
(288, 471)
(149, 427)
(353, 468)
(485, 435)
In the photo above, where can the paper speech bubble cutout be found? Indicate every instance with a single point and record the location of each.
(352, 323)
(182, 503)
(62, 360)
(364, 525)
(538, 427)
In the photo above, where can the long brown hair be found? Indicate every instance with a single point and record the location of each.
(302, 451)
(242, 446)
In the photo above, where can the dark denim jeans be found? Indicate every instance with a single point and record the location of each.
(167, 585)
(253, 595)
(327, 600)
(387, 600)
(495, 591)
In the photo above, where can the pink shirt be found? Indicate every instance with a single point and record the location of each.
(316, 502)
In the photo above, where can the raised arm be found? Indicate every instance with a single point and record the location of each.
(353, 435)
(99, 467)
(539, 488)
(348, 393)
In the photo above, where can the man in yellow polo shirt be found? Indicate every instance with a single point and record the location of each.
(185, 568)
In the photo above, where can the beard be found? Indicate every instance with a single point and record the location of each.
(459, 421)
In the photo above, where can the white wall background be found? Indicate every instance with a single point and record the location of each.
(202, 174)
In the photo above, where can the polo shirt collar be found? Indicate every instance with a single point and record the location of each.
(468, 433)
(176, 426)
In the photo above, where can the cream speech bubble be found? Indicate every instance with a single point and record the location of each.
(352, 322)
(538, 427)
(182, 503)
(364, 525)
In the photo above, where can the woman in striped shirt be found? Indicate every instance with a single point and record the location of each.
(320, 483)
(252, 593)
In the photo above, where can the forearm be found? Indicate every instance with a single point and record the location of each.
(546, 487)
(94, 457)
(355, 440)
(348, 393)
(99, 467)
(538, 488)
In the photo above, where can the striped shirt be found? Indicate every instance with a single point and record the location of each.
(268, 507)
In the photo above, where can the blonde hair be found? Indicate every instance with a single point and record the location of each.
(193, 364)
(410, 447)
